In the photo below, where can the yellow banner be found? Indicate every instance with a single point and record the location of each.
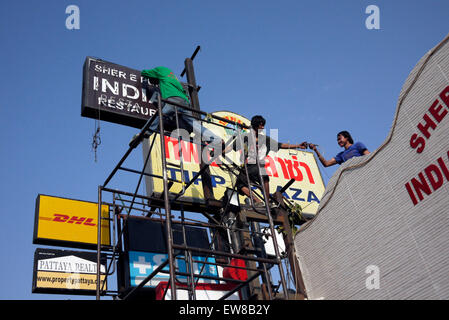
(71, 281)
(281, 166)
(73, 221)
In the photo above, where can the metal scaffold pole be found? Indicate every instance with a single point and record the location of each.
(99, 245)
(171, 260)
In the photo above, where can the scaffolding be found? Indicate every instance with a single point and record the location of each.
(234, 232)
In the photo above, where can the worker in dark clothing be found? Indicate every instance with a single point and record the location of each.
(256, 144)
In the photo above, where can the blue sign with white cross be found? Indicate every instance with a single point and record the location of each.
(142, 264)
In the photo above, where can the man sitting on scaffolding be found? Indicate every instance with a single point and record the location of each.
(254, 140)
(172, 90)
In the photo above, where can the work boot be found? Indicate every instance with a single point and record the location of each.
(259, 205)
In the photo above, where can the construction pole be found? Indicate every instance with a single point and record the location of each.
(266, 197)
(195, 104)
(290, 248)
(98, 245)
(206, 180)
(171, 259)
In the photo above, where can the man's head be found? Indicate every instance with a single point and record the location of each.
(257, 122)
(344, 137)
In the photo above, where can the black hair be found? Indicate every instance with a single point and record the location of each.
(347, 135)
(256, 121)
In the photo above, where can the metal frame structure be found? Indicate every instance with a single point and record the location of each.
(170, 202)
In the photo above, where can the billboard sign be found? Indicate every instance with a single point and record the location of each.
(149, 235)
(114, 93)
(142, 264)
(146, 248)
(69, 223)
(66, 272)
(281, 167)
(202, 292)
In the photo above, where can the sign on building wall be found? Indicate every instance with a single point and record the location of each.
(382, 227)
(66, 272)
(114, 93)
(70, 223)
(281, 167)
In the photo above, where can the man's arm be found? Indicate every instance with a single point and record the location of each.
(302, 145)
(326, 163)
(362, 148)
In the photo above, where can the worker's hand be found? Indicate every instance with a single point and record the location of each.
(303, 145)
(312, 146)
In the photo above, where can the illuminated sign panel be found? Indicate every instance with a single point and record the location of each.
(66, 272)
(66, 222)
(116, 93)
(142, 264)
(280, 166)
(145, 247)
(301, 166)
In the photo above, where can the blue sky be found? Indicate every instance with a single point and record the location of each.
(311, 68)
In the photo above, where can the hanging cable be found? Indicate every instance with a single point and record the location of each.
(96, 139)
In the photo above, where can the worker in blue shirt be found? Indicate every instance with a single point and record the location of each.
(352, 149)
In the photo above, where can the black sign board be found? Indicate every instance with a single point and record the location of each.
(150, 236)
(66, 272)
(142, 236)
(115, 93)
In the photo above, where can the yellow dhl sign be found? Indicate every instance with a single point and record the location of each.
(68, 222)
(281, 167)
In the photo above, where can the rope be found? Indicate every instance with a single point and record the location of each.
(96, 139)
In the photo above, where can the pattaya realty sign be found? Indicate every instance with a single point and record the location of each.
(67, 272)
